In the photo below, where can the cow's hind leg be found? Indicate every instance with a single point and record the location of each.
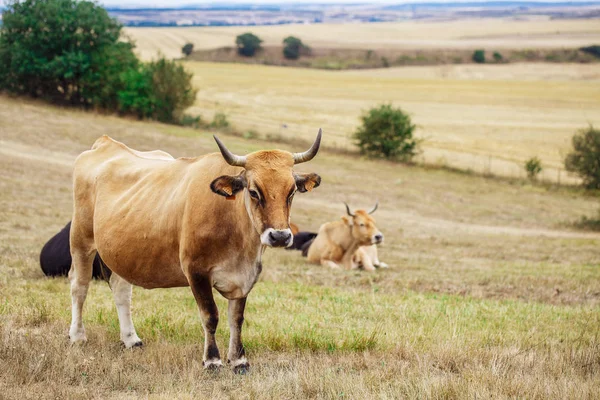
(122, 293)
(82, 253)
(237, 355)
(202, 289)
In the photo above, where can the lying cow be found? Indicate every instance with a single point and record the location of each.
(337, 242)
(159, 222)
(55, 257)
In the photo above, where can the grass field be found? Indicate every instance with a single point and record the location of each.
(461, 34)
(478, 117)
(490, 294)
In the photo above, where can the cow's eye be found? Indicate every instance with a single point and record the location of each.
(361, 225)
(253, 194)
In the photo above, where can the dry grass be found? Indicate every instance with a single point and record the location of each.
(462, 34)
(488, 294)
(473, 117)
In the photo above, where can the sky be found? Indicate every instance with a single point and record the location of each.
(179, 3)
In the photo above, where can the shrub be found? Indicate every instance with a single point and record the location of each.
(387, 132)
(159, 90)
(69, 52)
(187, 49)
(584, 159)
(533, 167)
(385, 62)
(293, 47)
(593, 50)
(250, 134)
(220, 121)
(248, 44)
(479, 56)
(65, 51)
(193, 121)
(497, 57)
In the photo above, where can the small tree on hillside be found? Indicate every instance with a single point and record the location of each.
(533, 167)
(387, 132)
(497, 57)
(248, 44)
(293, 48)
(187, 49)
(584, 159)
(479, 56)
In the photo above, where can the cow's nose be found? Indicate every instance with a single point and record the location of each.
(280, 238)
(378, 238)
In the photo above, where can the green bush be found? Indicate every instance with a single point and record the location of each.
(69, 52)
(584, 159)
(533, 167)
(593, 50)
(159, 90)
(219, 121)
(293, 48)
(187, 49)
(479, 56)
(497, 57)
(248, 44)
(387, 132)
(65, 51)
(193, 121)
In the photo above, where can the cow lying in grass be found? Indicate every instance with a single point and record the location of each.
(347, 243)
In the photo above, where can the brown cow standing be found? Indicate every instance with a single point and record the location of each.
(159, 222)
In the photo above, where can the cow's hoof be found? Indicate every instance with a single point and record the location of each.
(133, 345)
(242, 369)
(77, 338)
(212, 365)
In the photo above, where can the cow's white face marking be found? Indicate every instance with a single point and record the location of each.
(277, 237)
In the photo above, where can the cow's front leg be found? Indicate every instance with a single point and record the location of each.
(237, 355)
(202, 289)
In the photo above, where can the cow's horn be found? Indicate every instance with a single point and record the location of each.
(348, 210)
(232, 159)
(310, 153)
(374, 208)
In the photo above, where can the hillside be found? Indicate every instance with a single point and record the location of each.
(478, 117)
(499, 33)
(489, 292)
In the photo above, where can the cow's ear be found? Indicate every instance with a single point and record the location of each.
(347, 220)
(307, 182)
(228, 185)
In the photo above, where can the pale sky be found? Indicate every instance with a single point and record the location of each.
(178, 3)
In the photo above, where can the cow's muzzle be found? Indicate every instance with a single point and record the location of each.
(277, 237)
(377, 238)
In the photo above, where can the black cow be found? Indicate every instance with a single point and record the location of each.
(302, 241)
(55, 258)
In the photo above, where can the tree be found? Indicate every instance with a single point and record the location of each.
(387, 132)
(292, 47)
(69, 52)
(533, 167)
(479, 56)
(187, 49)
(248, 44)
(62, 50)
(497, 57)
(160, 90)
(584, 159)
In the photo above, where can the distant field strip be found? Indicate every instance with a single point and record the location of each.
(479, 124)
(469, 34)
